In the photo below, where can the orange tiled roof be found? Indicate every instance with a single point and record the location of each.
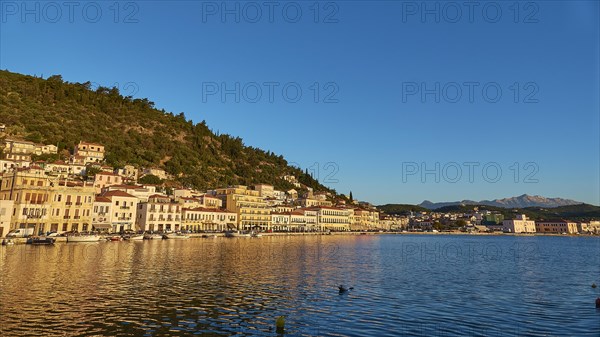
(88, 143)
(116, 194)
(129, 187)
(100, 198)
(204, 209)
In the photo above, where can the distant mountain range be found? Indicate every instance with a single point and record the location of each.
(521, 201)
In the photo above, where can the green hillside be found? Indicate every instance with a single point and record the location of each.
(52, 111)
(401, 208)
(573, 212)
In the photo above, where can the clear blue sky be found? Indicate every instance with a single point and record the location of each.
(372, 60)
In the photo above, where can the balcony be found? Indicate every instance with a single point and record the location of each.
(66, 217)
(68, 203)
(77, 217)
(78, 204)
(125, 207)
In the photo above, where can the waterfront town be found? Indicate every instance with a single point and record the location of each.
(65, 197)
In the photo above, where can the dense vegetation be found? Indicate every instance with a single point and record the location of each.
(401, 209)
(52, 111)
(572, 212)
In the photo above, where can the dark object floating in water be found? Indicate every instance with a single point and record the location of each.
(41, 241)
(280, 324)
(344, 289)
(593, 285)
(598, 302)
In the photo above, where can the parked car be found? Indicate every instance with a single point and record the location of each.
(20, 233)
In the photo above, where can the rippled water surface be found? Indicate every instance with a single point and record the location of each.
(404, 285)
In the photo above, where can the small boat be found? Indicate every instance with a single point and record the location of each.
(114, 238)
(40, 240)
(237, 234)
(7, 242)
(152, 236)
(209, 236)
(256, 235)
(134, 237)
(176, 236)
(83, 238)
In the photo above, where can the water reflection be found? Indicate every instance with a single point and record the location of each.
(404, 285)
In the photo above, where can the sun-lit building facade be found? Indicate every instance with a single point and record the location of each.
(207, 219)
(159, 213)
(252, 210)
(519, 225)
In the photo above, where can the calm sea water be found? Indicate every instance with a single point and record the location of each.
(404, 285)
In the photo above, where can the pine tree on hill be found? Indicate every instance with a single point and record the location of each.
(133, 131)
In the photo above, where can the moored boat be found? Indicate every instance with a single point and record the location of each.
(7, 242)
(83, 238)
(134, 237)
(176, 236)
(152, 236)
(40, 240)
(237, 234)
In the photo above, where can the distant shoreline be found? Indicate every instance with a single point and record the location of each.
(450, 233)
(199, 235)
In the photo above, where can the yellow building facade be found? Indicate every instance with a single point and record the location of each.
(334, 218)
(251, 209)
(47, 204)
